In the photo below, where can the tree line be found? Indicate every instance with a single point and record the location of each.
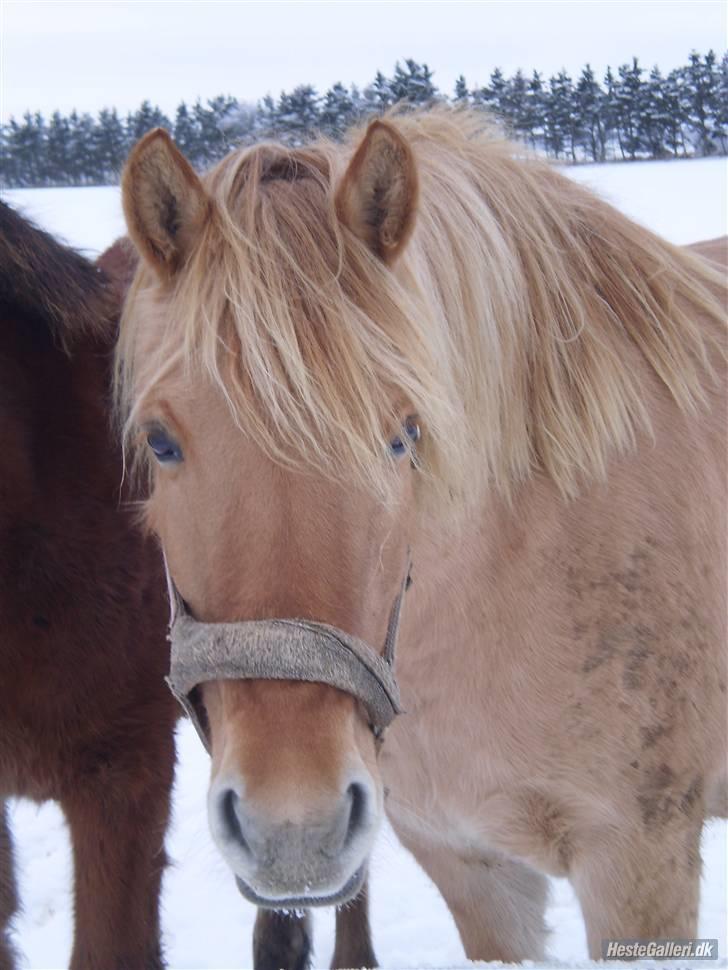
(628, 114)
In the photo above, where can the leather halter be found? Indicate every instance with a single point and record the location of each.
(281, 649)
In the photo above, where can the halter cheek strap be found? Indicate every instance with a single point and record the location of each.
(282, 649)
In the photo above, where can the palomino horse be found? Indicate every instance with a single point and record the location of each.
(281, 940)
(86, 717)
(422, 346)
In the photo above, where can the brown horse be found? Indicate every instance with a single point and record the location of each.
(87, 719)
(422, 344)
(84, 718)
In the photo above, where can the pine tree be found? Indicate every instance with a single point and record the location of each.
(27, 143)
(338, 111)
(74, 159)
(242, 124)
(655, 115)
(58, 149)
(297, 114)
(207, 135)
(589, 106)
(629, 108)
(266, 117)
(13, 174)
(187, 133)
(610, 113)
(8, 167)
(700, 99)
(84, 163)
(515, 107)
(720, 121)
(110, 144)
(210, 121)
(536, 110)
(491, 95)
(412, 83)
(462, 95)
(148, 116)
(359, 103)
(561, 129)
(379, 94)
(672, 94)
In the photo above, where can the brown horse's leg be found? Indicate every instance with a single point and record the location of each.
(282, 941)
(117, 831)
(644, 885)
(498, 904)
(8, 893)
(353, 934)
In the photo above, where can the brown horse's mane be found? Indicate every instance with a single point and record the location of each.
(50, 284)
(519, 323)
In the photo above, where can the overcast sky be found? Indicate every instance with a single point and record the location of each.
(91, 54)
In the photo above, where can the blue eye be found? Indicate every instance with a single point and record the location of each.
(411, 431)
(165, 448)
(397, 446)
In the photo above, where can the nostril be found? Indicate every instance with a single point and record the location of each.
(357, 796)
(230, 808)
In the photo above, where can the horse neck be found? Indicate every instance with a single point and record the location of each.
(63, 412)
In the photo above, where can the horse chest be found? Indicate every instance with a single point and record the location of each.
(439, 794)
(458, 771)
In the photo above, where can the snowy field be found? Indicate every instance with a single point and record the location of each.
(206, 923)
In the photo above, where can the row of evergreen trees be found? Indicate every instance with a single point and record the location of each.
(628, 114)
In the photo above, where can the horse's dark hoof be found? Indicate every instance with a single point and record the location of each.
(282, 941)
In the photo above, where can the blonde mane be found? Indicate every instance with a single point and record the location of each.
(519, 323)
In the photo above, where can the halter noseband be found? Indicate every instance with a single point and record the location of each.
(281, 650)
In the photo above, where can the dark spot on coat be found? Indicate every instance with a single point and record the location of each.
(605, 651)
(662, 777)
(692, 795)
(634, 664)
(651, 734)
(656, 800)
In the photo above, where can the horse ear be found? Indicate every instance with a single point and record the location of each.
(377, 196)
(164, 202)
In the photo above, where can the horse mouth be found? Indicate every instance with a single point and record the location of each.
(350, 889)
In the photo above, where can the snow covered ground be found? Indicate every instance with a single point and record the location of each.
(206, 923)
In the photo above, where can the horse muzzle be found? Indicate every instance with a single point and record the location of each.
(283, 862)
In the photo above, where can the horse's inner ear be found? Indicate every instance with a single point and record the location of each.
(164, 202)
(377, 196)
